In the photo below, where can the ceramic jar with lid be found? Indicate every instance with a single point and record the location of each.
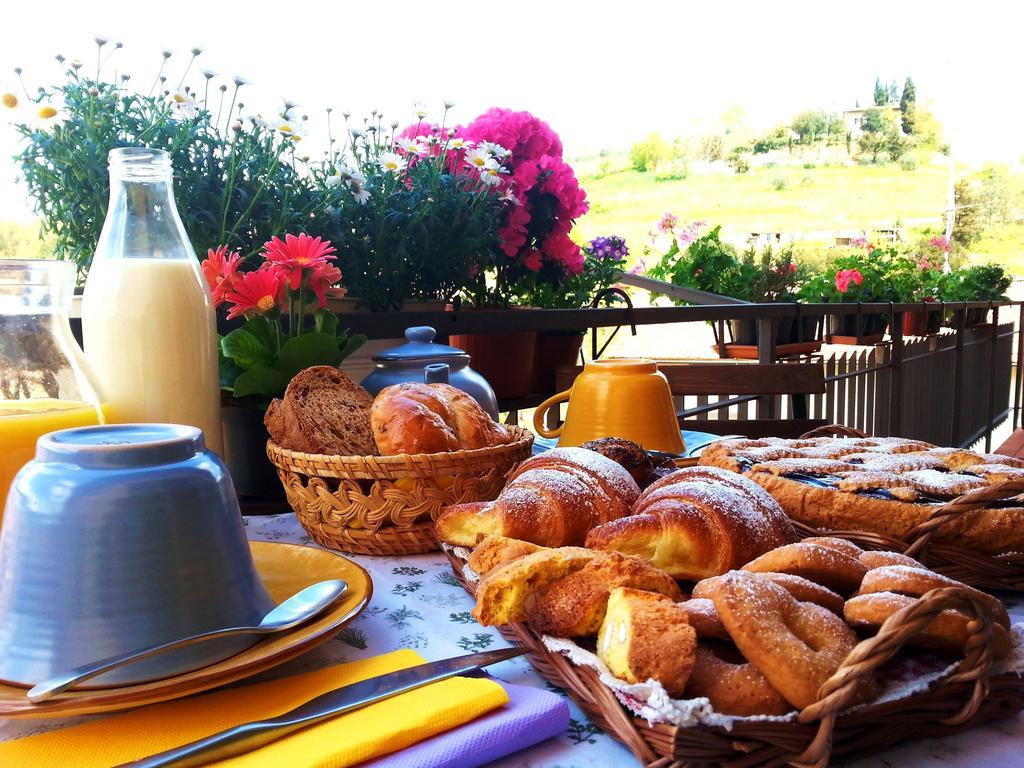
(408, 362)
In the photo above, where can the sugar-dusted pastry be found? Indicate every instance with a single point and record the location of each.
(802, 589)
(575, 606)
(881, 485)
(563, 591)
(552, 499)
(732, 684)
(698, 522)
(947, 632)
(823, 565)
(493, 551)
(646, 636)
(797, 646)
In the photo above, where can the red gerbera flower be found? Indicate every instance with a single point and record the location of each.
(220, 268)
(322, 278)
(294, 254)
(256, 293)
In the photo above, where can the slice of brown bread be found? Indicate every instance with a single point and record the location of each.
(323, 411)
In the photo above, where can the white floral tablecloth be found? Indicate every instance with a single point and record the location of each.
(418, 604)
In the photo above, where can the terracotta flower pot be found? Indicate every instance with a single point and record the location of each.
(552, 350)
(504, 359)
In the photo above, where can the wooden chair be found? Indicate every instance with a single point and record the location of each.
(740, 380)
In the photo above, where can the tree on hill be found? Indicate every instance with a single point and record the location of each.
(650, 153)
(777, 138)
(873, 121)
(894, 93)
(881, 93)
(908, 106)
(968, 226)
(809, 125)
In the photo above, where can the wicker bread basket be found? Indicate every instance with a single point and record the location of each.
(973, 694)
(384, 505)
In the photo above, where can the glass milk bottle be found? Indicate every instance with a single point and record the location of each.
(148, 319)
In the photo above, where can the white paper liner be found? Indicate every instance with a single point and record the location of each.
(462, 553)
(652, 702)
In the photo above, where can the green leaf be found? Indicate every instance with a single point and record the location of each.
(229, 372)
(263, 329)
(325, 321)
(261, 381)
(351, 344)
(246, 349)
(310, 349)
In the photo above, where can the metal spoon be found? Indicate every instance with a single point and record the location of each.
(300, 607)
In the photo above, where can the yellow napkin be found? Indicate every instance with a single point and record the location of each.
(376, 730)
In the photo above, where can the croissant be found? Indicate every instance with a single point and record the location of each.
(698, 522)
(552, 499)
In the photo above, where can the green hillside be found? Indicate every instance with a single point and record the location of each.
(808, 201)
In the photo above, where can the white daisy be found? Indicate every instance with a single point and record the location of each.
(420, 110)
(360, 193)
(494, 149)
(508, 196)
(480, 159)
(460, 143)
(334, 180)
(411, 147)
(490, 176)
(390, 161)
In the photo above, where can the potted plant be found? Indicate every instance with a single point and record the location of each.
(237, 179)
(604, 260)
(285, 329)
(413, 210)
(979, 282)
(542, 199)
(860, 276)
(704, 262)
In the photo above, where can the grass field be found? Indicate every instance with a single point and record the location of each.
(809, 201)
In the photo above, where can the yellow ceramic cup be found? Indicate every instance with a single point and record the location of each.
(616, 398)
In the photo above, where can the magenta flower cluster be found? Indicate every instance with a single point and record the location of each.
(546, 196)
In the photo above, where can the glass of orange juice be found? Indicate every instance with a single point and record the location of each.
(45, 383)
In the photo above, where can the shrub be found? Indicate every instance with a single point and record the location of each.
(779, 183)
(808, 166)
(650, 153)
(908, 164)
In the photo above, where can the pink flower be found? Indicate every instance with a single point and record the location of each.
(322, 278)
(533, 260)
(220, 268)
(524, 135)
(689, 233)
(792, 267)
(256, 293)
(941, 242)
(295, 254)
(639, 268)
(846, 276)
(861, 242)
(667, 222)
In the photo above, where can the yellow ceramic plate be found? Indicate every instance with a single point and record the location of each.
(284, 570)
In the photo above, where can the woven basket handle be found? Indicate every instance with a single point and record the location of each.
(838, 691)
(920, 535)
(833, 430)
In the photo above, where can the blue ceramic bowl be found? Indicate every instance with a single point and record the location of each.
(116, 538)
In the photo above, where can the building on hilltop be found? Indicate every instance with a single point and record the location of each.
(853, 119)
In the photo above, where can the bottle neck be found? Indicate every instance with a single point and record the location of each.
(142, 218)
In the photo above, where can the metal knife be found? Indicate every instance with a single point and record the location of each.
(250, 736)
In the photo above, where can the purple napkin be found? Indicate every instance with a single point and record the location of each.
(531, 716)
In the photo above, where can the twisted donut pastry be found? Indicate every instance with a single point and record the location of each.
(796, 646)
(704, 619)
(800, 588)
(905, 580)
(822, 565)
(880, 559)
(947, 632)
(734, 687)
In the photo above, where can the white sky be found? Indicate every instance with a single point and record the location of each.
(601, 73)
